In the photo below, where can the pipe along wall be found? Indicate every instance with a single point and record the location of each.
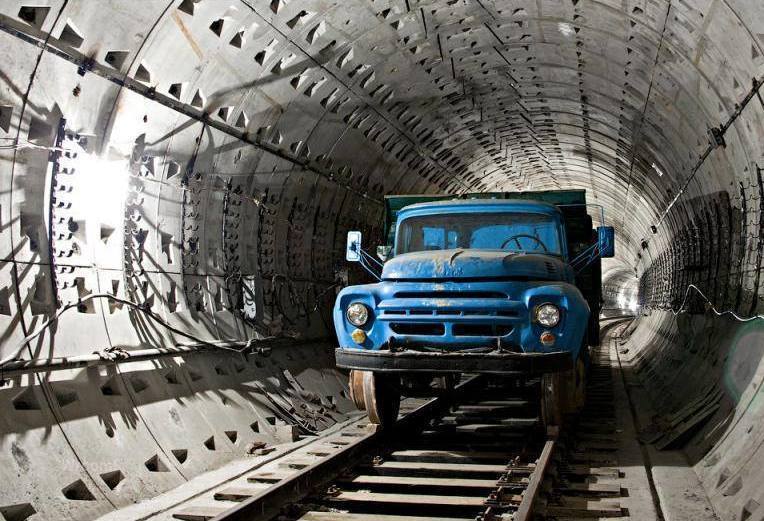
(202, 161)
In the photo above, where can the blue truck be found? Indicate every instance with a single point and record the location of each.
(497, 283)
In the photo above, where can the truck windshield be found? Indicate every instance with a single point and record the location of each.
(519, 232)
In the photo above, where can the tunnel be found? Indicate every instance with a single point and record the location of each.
(178, 177)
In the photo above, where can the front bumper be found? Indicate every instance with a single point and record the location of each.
(409, 361)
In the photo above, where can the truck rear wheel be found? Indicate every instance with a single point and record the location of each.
(382, 397)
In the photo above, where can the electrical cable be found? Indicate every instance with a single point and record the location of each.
(27, 144)
(138, 307)
(713, 308)
(16, 352)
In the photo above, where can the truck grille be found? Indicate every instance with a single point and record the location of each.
(449, 316)
(412, 328)
(480, 330)
(473, 316)
(450, 294)
(439, 329)
(450, 313)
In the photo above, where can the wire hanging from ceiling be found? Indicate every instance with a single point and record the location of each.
(713, 308)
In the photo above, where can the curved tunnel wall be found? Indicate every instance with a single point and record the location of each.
(221, 145)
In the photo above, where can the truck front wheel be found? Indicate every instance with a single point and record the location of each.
(572, 388)
(382, 397)
(355, 383)
(580, 385)
(563, 393)
(551, 406)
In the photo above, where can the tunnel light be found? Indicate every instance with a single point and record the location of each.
(565, 28)
(102, 184)
(97, 185)
(657, 170)
(624, 302)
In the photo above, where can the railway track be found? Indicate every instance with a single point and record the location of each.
(586, 482)
(478, 453)
(590, 479)
(483, 456)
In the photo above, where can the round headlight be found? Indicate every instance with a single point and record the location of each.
(357, 314)
(548, 315)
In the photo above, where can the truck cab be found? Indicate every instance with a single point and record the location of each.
(468, 285)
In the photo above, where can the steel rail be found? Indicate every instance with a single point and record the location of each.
(525, 509)
(268, 503)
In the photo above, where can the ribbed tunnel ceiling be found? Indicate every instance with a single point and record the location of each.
(614, 97)
(203, 160)
(220, 142)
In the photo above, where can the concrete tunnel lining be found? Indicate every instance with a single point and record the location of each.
(247, 137)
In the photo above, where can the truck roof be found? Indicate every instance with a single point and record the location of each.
(474, 205)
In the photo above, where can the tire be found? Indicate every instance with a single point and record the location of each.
(382, 398)
(573, 388)
(551, 410)
(355, 383)
(580, 385)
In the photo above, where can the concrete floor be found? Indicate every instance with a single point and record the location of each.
(667, 486)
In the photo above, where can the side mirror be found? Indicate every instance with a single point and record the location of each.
(353, 247)
(383, 252)
(606, 239)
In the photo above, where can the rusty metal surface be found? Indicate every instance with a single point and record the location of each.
(525, 509)
(493, 362)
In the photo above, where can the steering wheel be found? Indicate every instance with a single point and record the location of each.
(526, 236)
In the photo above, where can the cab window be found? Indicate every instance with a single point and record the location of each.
(520, 232)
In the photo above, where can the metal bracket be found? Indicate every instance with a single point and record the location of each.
(716, 137)
(85, 66)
